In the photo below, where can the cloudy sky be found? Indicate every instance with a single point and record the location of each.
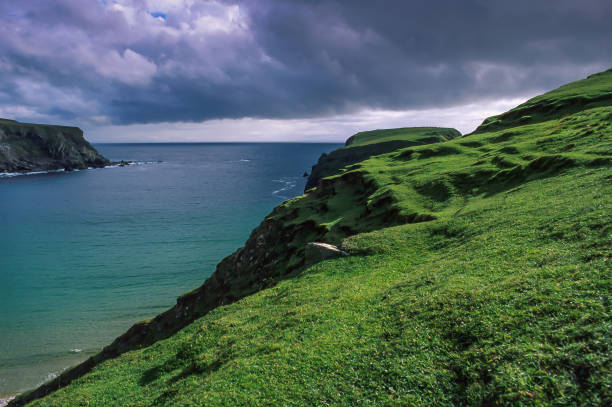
(278, 70)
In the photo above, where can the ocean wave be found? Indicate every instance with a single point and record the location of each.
(17, 174)
(125, 164)
(51, 376)
(148, 162)
(130, 163)
(288, 184)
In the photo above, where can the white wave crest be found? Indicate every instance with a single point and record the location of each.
(17, 174)
(288, 183)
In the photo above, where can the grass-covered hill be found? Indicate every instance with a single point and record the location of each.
(595, 91)
(366, 144)
(38, 147)
(479, 275)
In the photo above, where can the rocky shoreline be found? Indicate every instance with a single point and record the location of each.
(4, 401)
(112, 164)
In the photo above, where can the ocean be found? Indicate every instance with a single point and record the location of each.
(84, 255)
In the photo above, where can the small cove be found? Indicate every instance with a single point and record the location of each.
(84, 255)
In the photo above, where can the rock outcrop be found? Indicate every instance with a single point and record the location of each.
(317, 252)
(28, 147)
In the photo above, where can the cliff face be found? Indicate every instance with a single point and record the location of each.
(366, 144)
(28, 147)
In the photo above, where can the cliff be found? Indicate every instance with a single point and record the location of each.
(478, 274)
(366, 144)
(28, 147)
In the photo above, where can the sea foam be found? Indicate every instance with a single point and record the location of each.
(288, 184)
(16, 174)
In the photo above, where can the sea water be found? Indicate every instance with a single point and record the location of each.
(84, 255)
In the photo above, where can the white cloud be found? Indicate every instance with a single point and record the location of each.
(49, 97)
(129, 13)
(168, 5)
(11, 112)
(130, 68)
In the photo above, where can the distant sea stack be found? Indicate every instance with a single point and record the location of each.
(26, 147)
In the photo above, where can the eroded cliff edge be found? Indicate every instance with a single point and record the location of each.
(26, 147)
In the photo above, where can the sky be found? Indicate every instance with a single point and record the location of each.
(278, 70)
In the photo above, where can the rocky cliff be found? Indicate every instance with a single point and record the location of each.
(26, 147)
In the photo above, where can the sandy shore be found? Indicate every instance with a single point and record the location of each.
(4, 402)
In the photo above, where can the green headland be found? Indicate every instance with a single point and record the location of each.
(478, 274)
(374, 142)
(26, 147)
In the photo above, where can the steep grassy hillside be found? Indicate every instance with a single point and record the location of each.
(592, 92)
(38, 147)
(479, 275)
(366, 144)
(417, 135)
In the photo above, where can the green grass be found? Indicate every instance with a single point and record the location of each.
(427, 134)
(479, 276)
(596, 86)
(364, 145)
(12, 126)
(595, 91)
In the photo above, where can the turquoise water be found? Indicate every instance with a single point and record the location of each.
(84, 255)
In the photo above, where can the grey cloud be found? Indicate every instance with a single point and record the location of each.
(279, 59)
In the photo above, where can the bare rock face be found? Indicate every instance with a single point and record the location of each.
(316, 252)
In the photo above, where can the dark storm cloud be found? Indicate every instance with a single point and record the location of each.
(146, 61)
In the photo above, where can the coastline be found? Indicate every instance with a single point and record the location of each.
(4, 401)
(165, 166)
(42, 172)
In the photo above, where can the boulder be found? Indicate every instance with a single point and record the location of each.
(316, 252)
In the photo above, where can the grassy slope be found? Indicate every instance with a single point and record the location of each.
(588, 93)
(499, 294)
(366, 144)
(402, 134)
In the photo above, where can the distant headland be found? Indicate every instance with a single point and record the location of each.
(27, 147)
